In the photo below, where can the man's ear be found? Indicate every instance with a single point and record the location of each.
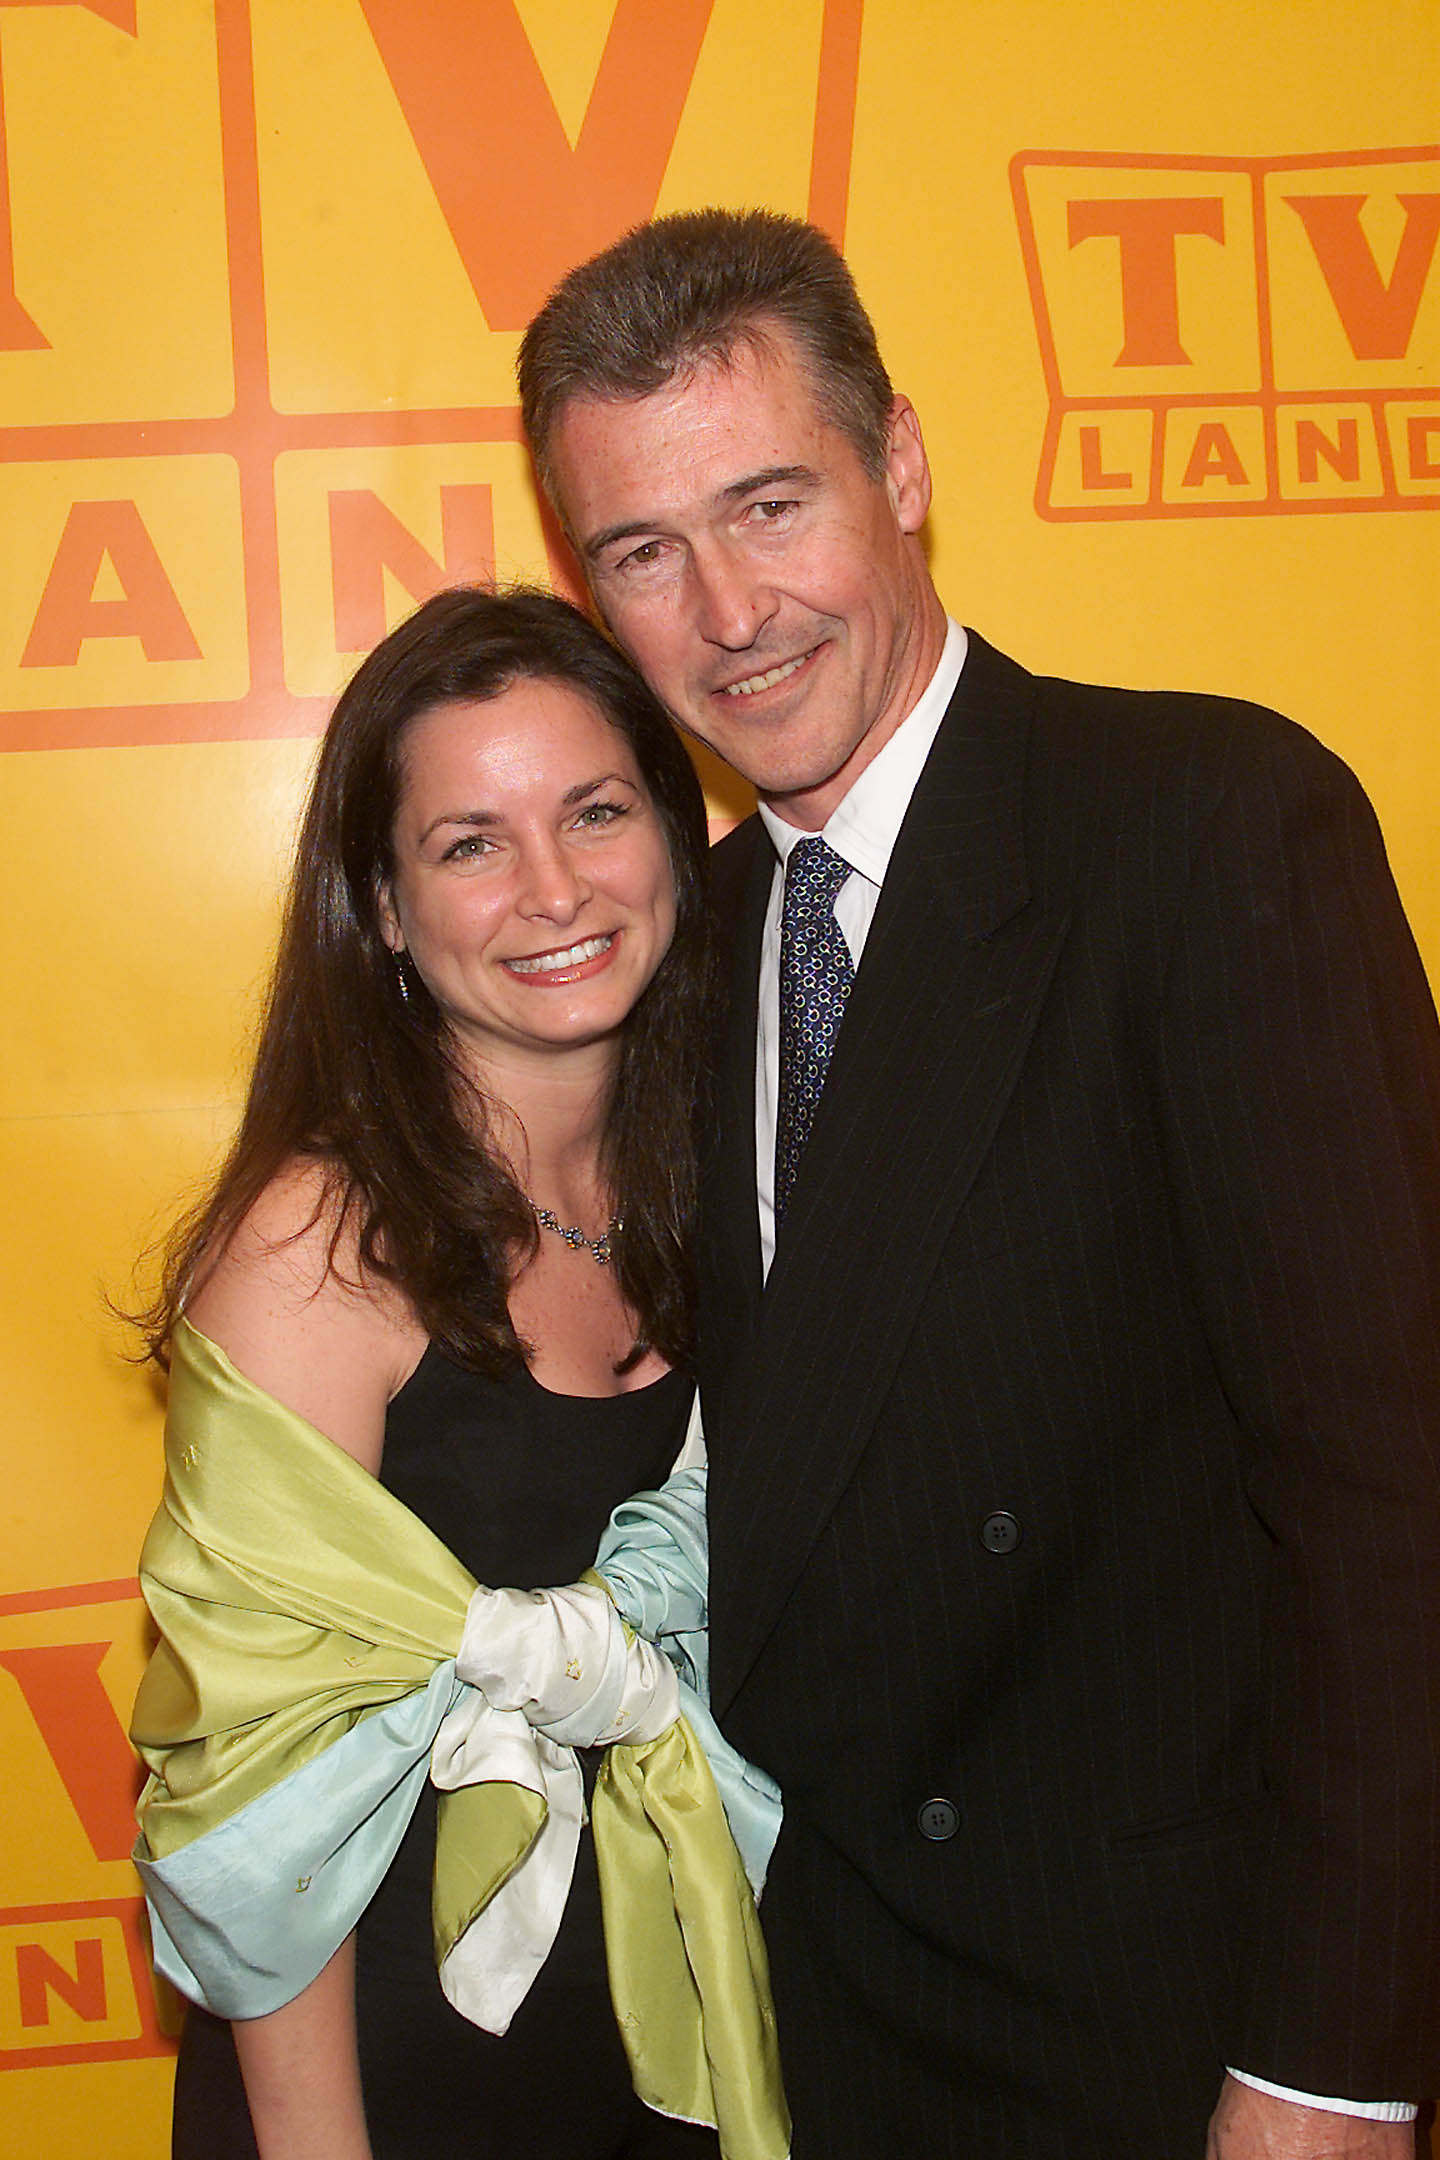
(907, 469)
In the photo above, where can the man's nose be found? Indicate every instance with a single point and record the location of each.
(732, 602)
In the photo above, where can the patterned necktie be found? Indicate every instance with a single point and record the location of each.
(816, 972)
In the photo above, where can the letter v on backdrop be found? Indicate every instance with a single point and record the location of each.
(373, 254)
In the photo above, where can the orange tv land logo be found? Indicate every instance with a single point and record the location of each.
(75, 1981)
(1227, 337)
(301, 418)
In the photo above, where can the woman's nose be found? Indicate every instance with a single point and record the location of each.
(552, 885)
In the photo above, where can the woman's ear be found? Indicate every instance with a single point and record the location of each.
(390, 929)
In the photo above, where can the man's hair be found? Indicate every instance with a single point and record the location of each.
(684, 292)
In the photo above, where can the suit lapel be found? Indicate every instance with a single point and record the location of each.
(730, 1257)
(941, 1014)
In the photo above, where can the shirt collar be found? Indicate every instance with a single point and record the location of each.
(864, 827)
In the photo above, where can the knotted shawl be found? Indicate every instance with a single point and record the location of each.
(304, 1679)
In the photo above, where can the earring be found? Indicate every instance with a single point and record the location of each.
(399, 959)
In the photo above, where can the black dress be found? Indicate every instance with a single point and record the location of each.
(519, 1483)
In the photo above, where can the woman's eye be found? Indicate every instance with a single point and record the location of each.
(468, 849)
(601, 813)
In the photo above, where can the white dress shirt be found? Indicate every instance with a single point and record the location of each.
(863, 830)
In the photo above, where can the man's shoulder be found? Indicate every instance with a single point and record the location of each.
(1196, 738)
(733, 858)
(1107, 783)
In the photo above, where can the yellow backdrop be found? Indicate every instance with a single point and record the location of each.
(1162, 283)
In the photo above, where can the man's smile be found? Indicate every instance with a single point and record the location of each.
(751, 684)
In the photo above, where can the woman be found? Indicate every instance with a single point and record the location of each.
(452, 1238)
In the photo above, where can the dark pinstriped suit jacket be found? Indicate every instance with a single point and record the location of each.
(1119, 1218)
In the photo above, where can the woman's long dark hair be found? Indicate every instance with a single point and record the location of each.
(367, 1084)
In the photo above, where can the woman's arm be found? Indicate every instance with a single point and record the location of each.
(302, 2071)
(334, 1350)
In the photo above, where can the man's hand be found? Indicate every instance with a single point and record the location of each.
(1251, 2125)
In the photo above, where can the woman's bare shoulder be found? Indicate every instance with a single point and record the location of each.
(290, 1304)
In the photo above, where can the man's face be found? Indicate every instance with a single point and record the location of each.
(773, 594)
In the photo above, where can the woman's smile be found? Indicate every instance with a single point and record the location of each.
(568, 962)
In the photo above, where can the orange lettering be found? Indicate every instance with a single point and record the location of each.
(120, 14)
(1376, 317)
(1092, 474)
(18, 330)
(521, 204)
(1342, 455)
(1149, 297)
(1424, 462)
(1213, 453)
(366, 539)
(835, 116)
(39, 1976)
(147, 608)
(77, 1722)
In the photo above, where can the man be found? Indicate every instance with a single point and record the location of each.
(1074, 1465)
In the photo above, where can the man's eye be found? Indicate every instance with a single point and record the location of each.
(773, 509)
(640, 558)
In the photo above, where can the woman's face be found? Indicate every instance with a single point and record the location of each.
(532, 885)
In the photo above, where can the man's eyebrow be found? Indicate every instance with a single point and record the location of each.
(607, 539)
(769, 476)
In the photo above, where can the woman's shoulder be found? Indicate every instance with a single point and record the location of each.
(291, 1303)
(296, 1242)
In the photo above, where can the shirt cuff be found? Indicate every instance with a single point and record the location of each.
(1372, 2110)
